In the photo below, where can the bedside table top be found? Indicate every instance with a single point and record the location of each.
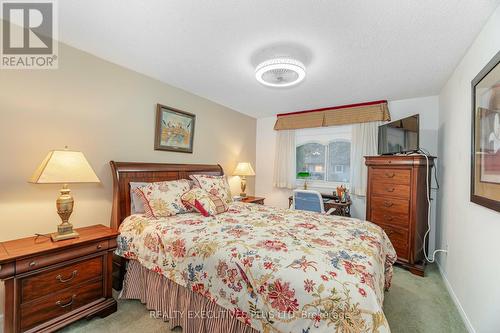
(252, 199)
(25, 247)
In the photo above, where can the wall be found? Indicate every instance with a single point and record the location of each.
(469, 231)
(108, 112)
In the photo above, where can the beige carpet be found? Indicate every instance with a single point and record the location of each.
(413, 305)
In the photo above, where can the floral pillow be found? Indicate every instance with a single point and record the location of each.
(163, 199)
(215, 185)
(204, 202)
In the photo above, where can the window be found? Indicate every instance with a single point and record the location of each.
(325, 153)
(311, 158)
(339, 161)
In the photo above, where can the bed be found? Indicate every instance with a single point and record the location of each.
(253, 268)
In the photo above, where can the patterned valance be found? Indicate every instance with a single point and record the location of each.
(332, 116)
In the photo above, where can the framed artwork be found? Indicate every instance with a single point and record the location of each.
(485, 159)
(174, 129)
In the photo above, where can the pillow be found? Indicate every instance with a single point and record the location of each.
(163, 199)
(204, 202)
(215, 185)
(136, 200)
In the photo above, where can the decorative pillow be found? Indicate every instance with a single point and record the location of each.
(205, 203)
(163, 199)
(215, 185)
(136, 200)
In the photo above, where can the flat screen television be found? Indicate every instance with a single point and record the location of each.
(400, 136)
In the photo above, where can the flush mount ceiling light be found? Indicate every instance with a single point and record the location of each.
(280, 72)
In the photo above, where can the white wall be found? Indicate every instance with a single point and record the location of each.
(470, 231)
(264, 159)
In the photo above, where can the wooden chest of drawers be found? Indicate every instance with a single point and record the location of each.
(50, 285)
(397, 201)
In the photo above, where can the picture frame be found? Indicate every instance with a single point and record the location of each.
(485, 138)
(174, 129)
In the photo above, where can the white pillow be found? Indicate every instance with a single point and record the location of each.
(136, 201)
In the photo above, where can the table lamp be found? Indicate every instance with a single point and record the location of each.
(64, 167)
(243, 169)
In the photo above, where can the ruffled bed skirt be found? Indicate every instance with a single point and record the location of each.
(178, 305)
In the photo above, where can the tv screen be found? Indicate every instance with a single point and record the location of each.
(400, 136)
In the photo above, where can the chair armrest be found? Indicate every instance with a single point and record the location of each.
(330, 211)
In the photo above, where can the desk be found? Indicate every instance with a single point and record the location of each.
(341, 208)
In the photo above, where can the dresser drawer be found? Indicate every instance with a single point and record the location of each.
(390, 205)
(59, 303)
(390, 176)
(392, 190)
(45, 283)
(31, 264)
(386, 217)
(399, 239)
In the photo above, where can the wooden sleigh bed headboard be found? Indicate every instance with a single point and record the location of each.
(126, 172)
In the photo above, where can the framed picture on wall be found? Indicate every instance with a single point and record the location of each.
(485, 159)
(174, 129)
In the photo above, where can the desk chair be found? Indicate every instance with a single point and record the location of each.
(310, 201)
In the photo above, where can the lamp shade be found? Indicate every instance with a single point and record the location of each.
(64, 167)
(244, 169)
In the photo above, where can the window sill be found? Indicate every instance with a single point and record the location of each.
(321, 185)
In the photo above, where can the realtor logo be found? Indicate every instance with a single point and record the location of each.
(29, 35)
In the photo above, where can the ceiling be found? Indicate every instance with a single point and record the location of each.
(354, 51)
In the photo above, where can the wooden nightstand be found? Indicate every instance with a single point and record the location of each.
(49, 285)
(255, 200)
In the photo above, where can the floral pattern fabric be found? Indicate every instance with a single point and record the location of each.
(203, 202)
(277, 270)
(215, 185)
(162, 199)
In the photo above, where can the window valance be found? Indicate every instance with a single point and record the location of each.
(332, 116)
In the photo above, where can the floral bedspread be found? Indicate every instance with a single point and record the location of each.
(277, 270)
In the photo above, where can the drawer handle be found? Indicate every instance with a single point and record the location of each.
(61, 279)
(33, 264)
(390, 175)
(390, 189)
(99, 246)
(388, 204)
(388, 218)
(389, 232)
(60, 304)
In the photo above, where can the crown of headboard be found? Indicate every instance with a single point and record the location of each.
(126, 172)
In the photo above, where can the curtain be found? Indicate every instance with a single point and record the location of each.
(284, 160)
(334, 116)
(364, 143)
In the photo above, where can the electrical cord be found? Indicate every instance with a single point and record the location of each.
(433, 259)
(426, 152)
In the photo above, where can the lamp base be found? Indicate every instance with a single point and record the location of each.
(64, 231)
(56, 237)
(64, 206)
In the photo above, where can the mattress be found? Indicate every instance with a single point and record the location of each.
(277, 270)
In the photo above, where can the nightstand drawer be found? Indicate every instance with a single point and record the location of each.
(45, 283)
(59, 304)
(31, 264)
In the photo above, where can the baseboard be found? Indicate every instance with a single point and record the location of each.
(454, 297)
